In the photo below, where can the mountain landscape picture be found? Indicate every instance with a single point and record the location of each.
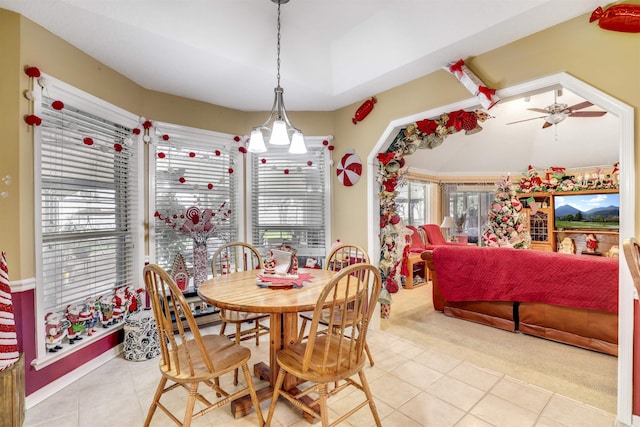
(589, 212)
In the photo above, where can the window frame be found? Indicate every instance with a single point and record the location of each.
(313, 143)
(176, 132)
(56, 89)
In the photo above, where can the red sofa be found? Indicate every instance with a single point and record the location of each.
(567, 298)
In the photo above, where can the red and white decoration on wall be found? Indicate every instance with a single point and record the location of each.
(363, 111)
(8, 338)
(349, 169)
(485, 95)
(620, 17)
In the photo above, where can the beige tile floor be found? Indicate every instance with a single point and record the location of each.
(413, 385)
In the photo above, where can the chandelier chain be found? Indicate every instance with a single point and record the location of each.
(278, 51)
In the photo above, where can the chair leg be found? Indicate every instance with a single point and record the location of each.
(254, 395)
(257, 332)
(191, 403)
(367, 392)
(366, 349)
(323, 393)
(223, 327)
(238, 336)
(303, 327)
(156, 399)
(276, 394)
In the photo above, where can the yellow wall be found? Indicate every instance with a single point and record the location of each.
(607, 60)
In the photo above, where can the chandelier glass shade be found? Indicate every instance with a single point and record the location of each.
(277, 126)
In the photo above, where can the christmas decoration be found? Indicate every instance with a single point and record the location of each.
(363, 111)
(349, 169)
(179, 272)
(505, 225)
(8, 337)
(199, 225)
(486, 96)
(559, 179)
(620, 17)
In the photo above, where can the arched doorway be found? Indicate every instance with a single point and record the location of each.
(626, 155)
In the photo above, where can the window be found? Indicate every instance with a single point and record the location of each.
(412, 202)
(468, 205)
(288, 199)
(87, 214)
(197, 168)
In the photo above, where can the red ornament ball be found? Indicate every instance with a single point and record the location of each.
(217, 152)
(147, 124)
(57, 105)
(136, 131)
(230, 170)
(325, 142)
(88, 141)
(263, 161)
(236, 138)
(192, 154)
(286, 171)
(210, 186)
(330, 148)
(165, 137)
(161, 155)
(117, 147)
(32, 72)
(182, 180)
(243, 150)
(309, 163)
(33, 120)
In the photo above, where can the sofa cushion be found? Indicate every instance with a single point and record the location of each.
(470, 273)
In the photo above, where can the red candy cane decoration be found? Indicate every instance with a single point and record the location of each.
(364, 110)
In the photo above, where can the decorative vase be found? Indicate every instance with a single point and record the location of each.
(200, 257)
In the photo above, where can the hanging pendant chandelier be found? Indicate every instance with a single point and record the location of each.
(281, 126)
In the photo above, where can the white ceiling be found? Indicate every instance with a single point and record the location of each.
(333, 53)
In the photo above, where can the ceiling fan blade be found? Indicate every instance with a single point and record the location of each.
(588, 114)
(580, 106)
(546, 125)
(526, 120)
(538, 110)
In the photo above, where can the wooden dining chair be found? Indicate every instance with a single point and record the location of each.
(340, 256)
(232, 258)
(189, 359)
(631, 249)
(325, 358)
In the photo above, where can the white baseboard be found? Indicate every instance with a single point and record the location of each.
(57, 385)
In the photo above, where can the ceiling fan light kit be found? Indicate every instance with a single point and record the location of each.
(558, 112)
(281, 127)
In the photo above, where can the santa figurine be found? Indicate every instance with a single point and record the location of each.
(270, 264)
(76, 323)
(120, 305)
(55, 330)
(592, 243)
(105, 304)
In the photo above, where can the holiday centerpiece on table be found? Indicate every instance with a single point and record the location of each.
(199, 225)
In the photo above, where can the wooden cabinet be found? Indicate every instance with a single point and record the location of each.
(539, 220)
(541, 224)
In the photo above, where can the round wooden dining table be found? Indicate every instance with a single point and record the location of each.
(243, 291)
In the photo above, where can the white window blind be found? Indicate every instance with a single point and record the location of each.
(290, 208)
(89, 201)
(203, 160)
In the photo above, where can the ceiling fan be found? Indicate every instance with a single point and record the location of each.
(557, 112)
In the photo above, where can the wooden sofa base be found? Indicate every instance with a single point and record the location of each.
(590, 329)
(497, 314)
